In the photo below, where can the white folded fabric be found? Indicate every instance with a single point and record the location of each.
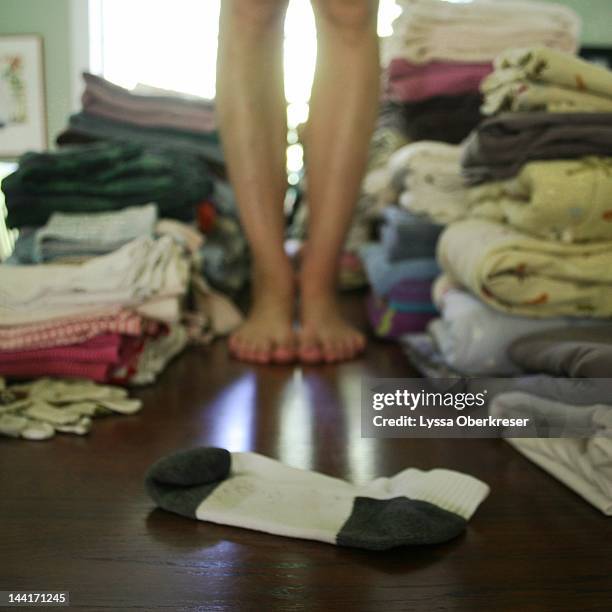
(434, 185)
(585, 466)
(474, 338)
(144, 270)
(477, 31)
(582, 464)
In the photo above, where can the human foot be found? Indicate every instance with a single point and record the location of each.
(325, 336)
(267, 335)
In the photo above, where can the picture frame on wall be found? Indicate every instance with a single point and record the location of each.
(23, 124)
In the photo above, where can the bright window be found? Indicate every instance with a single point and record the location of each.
(173, 44)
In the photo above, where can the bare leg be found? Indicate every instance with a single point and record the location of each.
(252, 117)
(343, 112)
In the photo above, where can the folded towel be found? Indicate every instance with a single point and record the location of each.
(500, 146)
(143, 272)
(383, 275)
(87, 234)
(539, 78)
(477, 31)
(519, 274)
(73, 330)
(105, 99)
(474, 338)
(408, 236)
(434, 186)
(103, 177)
(575, 352)
(570, 201)
(409, 82)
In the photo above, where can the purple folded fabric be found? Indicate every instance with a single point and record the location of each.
(407, 82)
(406, 309)
(105, 99)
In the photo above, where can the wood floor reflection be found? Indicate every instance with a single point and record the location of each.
(75, 516)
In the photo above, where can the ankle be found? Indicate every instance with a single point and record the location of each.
(318, 284)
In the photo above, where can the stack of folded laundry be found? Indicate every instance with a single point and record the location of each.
(569, 404)
(103, 298)
(401, 269)
(99, 319)
(111, 112)
(440, 52)
(424, 178)
(435, 63)
(534, 250)
(180, 128)
(101, 177)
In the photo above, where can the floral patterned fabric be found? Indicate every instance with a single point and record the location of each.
(538, 78)
(569, 200)
(520, 274)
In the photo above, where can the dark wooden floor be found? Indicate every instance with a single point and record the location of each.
(74, 516)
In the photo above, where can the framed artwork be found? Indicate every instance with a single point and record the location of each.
(23, 125)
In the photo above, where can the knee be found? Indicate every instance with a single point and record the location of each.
(349, 15)
(257, 15)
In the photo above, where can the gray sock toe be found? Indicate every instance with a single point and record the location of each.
(379, 524)
(180, 482)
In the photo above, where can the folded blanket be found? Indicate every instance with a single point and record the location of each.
(539, 78)
(473, 338)
(206, 145)
(570, 201)
(105, 99)
(409, 82)
(383, 275)
(142, 271)
(501, 145)
(434, 186)
(575, 352)
(477, 31)
(522, 275)
(104, 177)
(408, 236)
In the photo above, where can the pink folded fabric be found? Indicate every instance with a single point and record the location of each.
(74, 330)
(96, 359)
(408, 82)
(102, 348)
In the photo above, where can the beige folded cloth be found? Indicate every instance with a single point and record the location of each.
(477, 31)
(433, 181)
(568, 200)
(540, 78)
(520, 274)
